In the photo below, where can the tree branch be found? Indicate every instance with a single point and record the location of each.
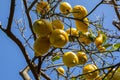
(20, 45)
(29, 18)
(12, 10)
(32, 4)
(116, 9)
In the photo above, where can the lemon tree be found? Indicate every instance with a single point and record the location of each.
(64, 40)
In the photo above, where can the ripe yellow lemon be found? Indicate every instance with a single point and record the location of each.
(99, 40)
(58, 38)
(42, 7)
(79, 11)
(41, 46)
(42, 27)
(84, 38)
(114, 75)
(98, 77)
(65, 8)
(89, 68)
(72, 31)
(82, 25)
(60, 70)
(70, 59)
(82, 57)
(101, 48)
(57, 24)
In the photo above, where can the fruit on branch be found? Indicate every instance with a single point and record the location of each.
(98, 78)
(42, 27)
(99, 39)
(82, 25)
(85, 38)
(58, 38)
(101, 48)
(61, 70)
(65, 8)
(41, 45)
(79, 11)
(57, 24)
(82, 57)
(113, 75)
(89, 68)
(70, 59)
(72, 33)
(42, 7)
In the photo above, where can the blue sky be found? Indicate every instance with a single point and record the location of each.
(11, 58)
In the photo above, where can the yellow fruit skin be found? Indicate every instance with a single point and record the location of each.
(41, 46)
(116, 75)
(60, 70)
(58, 38)
(84, 38)
(70, 59)
(42, 27)
(82, 25)
(89, 68)
(65, 8)
(101, 49)
(99, 40)
(42, 7)
(57, 24)
(72, 31)
(79, 11)
(82, 57)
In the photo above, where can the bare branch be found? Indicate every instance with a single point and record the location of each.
(32, 4)
(29, 18)
(12, 10)
(116, 9)
(24, 73)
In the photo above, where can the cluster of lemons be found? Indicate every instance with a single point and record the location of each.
(52, 33)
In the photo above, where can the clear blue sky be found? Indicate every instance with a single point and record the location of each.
(11, 58)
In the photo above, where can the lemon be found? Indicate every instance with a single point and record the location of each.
(60, 70)
(41, 46)
(65, 8)
(98, 77)
(79, 11)
(84, 38)
(42, 27)
(58, 38)
(72, 31)
(42, 7)
(82, 25)
(57, 24)
(70, 59)
(114, 75)
(99, 39)
(101, 48)
(89, 68)
(82, 57)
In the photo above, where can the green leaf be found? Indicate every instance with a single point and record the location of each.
(107, 45)
(116, 46)
(104, 38)
(57, 57)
